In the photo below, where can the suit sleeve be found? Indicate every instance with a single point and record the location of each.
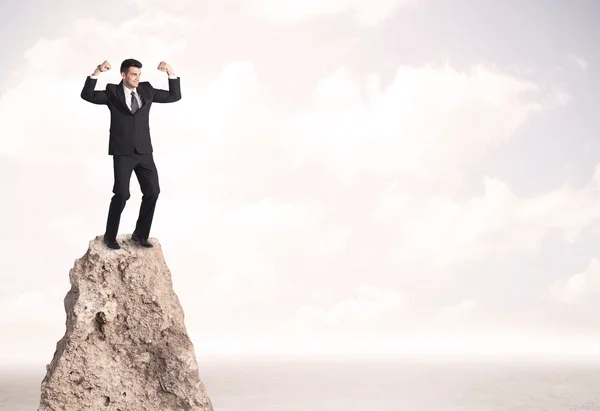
(89, 94)
(168, 96)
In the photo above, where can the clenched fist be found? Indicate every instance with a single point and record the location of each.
(104, 66)
(162, 66)
(100, 68)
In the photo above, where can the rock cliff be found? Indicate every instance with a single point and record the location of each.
(126, 347)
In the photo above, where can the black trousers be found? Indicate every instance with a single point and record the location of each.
(147, 175)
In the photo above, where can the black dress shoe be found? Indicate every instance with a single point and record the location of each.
(111, 244)
(141, 241)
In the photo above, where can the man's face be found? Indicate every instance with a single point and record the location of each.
(132, 77)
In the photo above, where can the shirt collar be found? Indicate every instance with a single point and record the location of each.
(127, 90)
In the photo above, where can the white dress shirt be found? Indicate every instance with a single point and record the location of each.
(129, 96)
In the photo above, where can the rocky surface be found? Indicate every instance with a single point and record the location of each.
(125, 347)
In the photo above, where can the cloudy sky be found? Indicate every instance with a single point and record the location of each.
(340, 176)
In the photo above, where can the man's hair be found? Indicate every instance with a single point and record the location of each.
(129, 63)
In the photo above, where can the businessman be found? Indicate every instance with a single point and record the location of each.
(129, 141)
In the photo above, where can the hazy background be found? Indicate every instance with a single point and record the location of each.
(343, 176)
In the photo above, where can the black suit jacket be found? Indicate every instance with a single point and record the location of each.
(130, 132)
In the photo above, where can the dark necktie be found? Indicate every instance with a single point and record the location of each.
(134, 102)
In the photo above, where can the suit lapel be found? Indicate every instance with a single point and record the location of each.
(141, 91)
(121, 94)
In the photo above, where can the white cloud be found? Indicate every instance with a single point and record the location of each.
(366, 12)
(578, 288)
(385, 312)
(391, 203)
(370, 309)
(438, 231)
(580, 61)
(254, 186)
(457, 312)
(26, 318)
(489, 345)
(426, 122)
(237, 254)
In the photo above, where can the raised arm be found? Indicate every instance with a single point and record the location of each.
(88, 93)
(174, 92)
